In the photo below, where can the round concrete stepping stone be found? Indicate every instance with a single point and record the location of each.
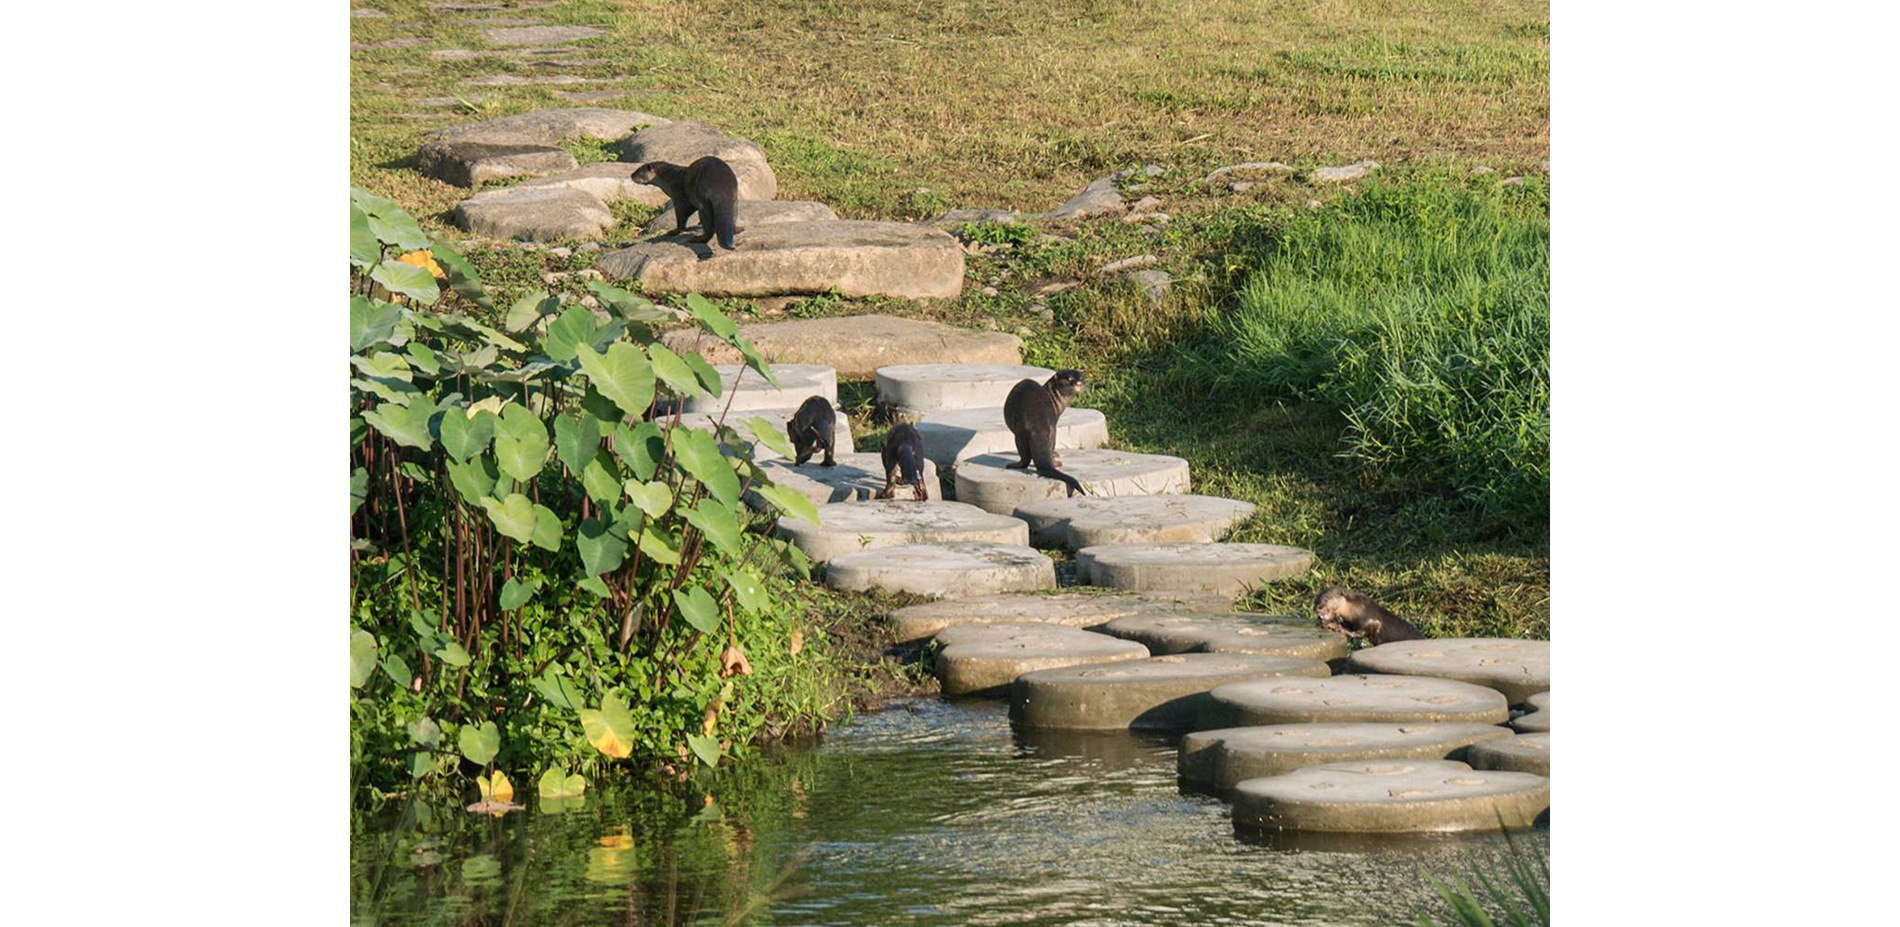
(853, 257)
(1159, 693)
(1089, 521)
(1232, 569)
(1538, 721)
(858, 345)
(953, 435)
(984, 659)
(749, 391)
(1221, 759)
(943, 571)
(746, 214)
(845, 529)
(985, 480)
(1526, 753)
(683, 143)
(840, 430)
(856, 477)
(1391, 797)
(1517, 668)
(534, 214)
(1388, 699)
(915, 388)
(1073, 609)
(1262, 635)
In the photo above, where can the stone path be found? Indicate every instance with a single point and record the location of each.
(943, 570)
(954, 435)
(1160, 693)
(1391, 797)
(856, 477)
(845, 529)
(986, 658)
(917, 388)
(1233, 569)
(988, 482)
(1391, 699)
(1263, 635)
(1223, 758)
(1517, 668)
(1089, 521)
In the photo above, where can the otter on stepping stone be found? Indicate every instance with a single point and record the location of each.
(1517, 668)
(1221, 759)
(1387, 797)
(780, 418)
(987, 480)
(985, 659)
(1389, 699)
(1073, 609)
(1159, 693)
(943, 570)
(953, 435)
(847, 529)
(706, 186)
(1528, 753)
(1264, 635)
(856, 478)
(1233, 569)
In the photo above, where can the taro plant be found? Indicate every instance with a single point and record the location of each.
(550, 571)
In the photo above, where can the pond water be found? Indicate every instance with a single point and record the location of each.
(929, 812)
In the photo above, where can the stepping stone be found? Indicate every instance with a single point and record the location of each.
(1232, 569)
(1538, 721)
(856, 477)
(1072, 609)
(958, 568)
(915, 388)
(985, 480)
(796, 383)
(1383, 699)
(857, 345)
(682, 143)
(1263, 635)
(855, 258)
(984, 659)
(1221, 759)
(746, 214)
(539, 35)
(609, 181)
(953, 435)
(1089, 521)
(534, 214)
(840, 433)
(470, 164)
(1159, 693)
(1517, 668)
(521, 145)
(845, 529)
(1391, 797)
(1525, 753)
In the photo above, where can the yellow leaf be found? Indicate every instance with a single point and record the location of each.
(620, 841)
(502, 790)
(798, 640)
(426, 261)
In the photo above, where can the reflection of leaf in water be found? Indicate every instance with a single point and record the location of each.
(612, 861)
(481, 869)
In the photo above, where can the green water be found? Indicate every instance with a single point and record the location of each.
(926, 813)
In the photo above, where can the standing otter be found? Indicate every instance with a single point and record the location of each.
(904, 449)
(813, 426)
(1031, 411)
(706, 186)
(1354, 614)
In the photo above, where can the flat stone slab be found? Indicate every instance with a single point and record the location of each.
(1262, 635)
(855, 258)
(609, 181)
(1221, 759)
(1159, 693)
(953, 435)
(1090, 521)
(747, 390)
(1100, 198)
(840, 432)
(985, 659)
(1073, 609)
(856, 477)
(1538, 721)
(1232, 569)
(1517, 668)
(845, 529)
(858, 345)
(1386, 699)
(746, 214)
(534, 214)
(984, 480)
(1389, 797)
(682, 143)
(943, 570)
(521, 145)
(539, 35)
(470, 164)
(1525, 753)
(914, 388)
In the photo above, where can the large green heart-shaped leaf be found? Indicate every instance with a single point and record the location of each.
(755, 360)
(610, 728)
(464, 435)
(672, 370)
(515, 593)
(769, 435)
(405, 425)
(557, 783)
(656, 543)
(424, 731)
(359, 489)
(462, 276)
(398, 671)
(394, 392)
(514, 516)
(594, 585)
(706, 748)
(474, 479)
(717, 523)
(709, 316)
(388, 221)
(708, 377)
(479, 742)
(696, 451)
(408, 279)
(384, 365)
(362, 658)
(547, 529)
(640, 447)
(529, 309)
(600, 407)
(748, 591)
(699, 609)
(628, 306)
(560, 691)
(521, 442)
(623, 375)
(791, 502)
(422, 357)
(372, 321)
(603, 545)
(364, 248)
(653, 498)
(577, 440)
(601, 479)
(453, 654)
(568, 333)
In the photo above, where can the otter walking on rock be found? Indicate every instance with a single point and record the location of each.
(904, 450)
(1354, 614)
(1031, 411)
(706, 186)
(813, 426)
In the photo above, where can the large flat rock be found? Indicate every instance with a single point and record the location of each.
(471, 164)
(943, 571)
(1263, 635)
(953, 435)
(741, 388)
(682, 143)
(844, 529)
(855, 258)
(523, 145)
(609, 181)
(1389, 797)
(858, 345)
(986, 481)
(534, 214)
(985, 659)
(1538, 720)
(916, 388)
(1517, 668)
(1223, 758)
(747, 214)
(1089, 521)
(781, 418)
(1231, 569)
(1159, 693)
(856, 477)
(1526, 753)
(1340, 699)
(1073, 609)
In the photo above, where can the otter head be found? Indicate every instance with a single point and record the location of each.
(1066, 384)
(650, 171)
(1335, 608)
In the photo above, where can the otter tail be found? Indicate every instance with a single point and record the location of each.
(723, 227)
(1046, 466)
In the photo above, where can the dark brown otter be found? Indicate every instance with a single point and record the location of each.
(1031, 412)
(904, 450)
(1354, 614)
(706, 186)
(813, 426)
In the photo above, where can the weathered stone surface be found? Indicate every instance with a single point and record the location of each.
(985, 480)
(1538, 720)
(1223, 758)
(845, 529)
(1073, 609)
(952, 435)
(534, 213)
(916, 388)
(985, 659)
(609, 181)
(1159, 693)
(539, 35)
(1232, 569)
(856, 477)
(747, 214)
(683, 143)
(742, 388)
(1088, 521)
(1101, 198)
(840, 432)
(1261, 635)
(1386, 699)
(956, 218)
(855, 258)
(590, 96)
(1133, 263)
(1517, 668)
(857, 345)
(550, 126)
(471, 164)
(1525, 753)
(1404, 796)
(1250, 169)
(943, 570)
(1344, 173)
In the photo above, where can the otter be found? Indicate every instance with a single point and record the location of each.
(904, 450)
(813, 426)
(1031, 411)
(706, 186)
(1354, 614)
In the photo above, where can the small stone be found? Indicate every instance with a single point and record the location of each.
(1146, 204)
(1344, 173)
(1481, 169)
(1154, 284)
(988, 291)
(585, 273)
(943, 570)
(1160, 218)
(1043, 312)
(1054, 286)
(1242, 186)
(1101, 198)
(772, 305)
(562, 253)
(1250, 168)
(1133, 263)
(957, 218)
(1312, 204)
(553, 277)
(1512, 182)
(1024, 331)
(590, 302)
(589, 246)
